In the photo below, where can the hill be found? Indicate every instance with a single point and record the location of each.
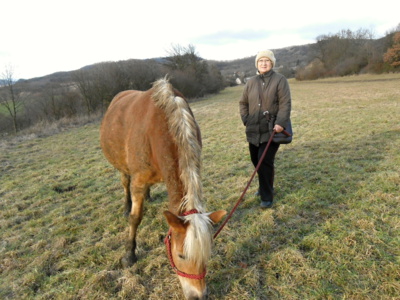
(288, 57)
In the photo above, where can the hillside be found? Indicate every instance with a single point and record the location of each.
(286, 57)
(289, 57)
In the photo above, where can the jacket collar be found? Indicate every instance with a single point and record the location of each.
(266, 75)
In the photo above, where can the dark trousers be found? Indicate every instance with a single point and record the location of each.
(266, 170)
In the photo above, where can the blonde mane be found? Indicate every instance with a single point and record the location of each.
(184, 129)
(198, 241)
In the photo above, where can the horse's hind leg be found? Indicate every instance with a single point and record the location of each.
(135, 217)
(147, 195)
(126, 182)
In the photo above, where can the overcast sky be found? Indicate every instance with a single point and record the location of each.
(40, 37)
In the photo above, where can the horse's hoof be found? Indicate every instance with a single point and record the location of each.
(128, 260)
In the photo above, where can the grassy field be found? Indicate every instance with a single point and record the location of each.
(334, 232)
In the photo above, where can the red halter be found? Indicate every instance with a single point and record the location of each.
(167, 242)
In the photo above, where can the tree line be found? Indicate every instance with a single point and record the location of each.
(88, 91)
(352, 52)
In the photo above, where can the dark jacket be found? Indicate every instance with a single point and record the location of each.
(275, 99)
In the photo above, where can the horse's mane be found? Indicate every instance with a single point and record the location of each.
(184, 129)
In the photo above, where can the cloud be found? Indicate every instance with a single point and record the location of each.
(232, 36)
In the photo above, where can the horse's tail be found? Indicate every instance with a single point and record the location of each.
(184, 129)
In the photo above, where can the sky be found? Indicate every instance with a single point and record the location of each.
(41, 37)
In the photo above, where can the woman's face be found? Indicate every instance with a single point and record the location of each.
(264, 65)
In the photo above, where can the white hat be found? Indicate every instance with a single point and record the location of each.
(268, 54)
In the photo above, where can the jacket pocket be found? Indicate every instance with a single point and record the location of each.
(251, 124)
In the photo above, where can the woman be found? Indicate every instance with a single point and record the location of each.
(266, 99)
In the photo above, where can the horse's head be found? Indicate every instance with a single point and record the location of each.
(189, 244)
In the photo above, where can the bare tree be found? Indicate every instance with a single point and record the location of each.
(98, 84)
(85, 87)
(141, 74)
(180, 57)
(191, 74)
(48, 103)
(54, 102)
(345, 52)
(10, 97)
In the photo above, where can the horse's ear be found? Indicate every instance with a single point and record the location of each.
(175, 222)
(216, 216)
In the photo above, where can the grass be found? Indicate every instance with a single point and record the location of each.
(332, 234)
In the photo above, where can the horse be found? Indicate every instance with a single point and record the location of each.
(152, 136)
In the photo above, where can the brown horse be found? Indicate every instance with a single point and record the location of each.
(149, 137)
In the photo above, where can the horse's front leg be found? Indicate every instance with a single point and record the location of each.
(135, 217)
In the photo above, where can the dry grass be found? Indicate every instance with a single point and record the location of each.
(332, 234)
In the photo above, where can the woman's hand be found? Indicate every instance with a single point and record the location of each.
(278, 128)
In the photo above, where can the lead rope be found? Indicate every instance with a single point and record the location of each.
(248, 184)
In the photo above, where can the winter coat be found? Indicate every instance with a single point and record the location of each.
(276, 101)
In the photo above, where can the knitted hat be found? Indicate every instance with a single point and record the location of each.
(268, 54)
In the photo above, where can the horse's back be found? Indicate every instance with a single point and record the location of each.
(126, 102)
(131, 130)
(123, 118)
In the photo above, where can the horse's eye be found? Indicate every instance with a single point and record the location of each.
(181, 256)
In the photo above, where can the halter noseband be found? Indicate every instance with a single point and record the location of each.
(167, 242)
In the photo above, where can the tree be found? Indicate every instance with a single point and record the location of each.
(54, 102)
(138, 74)
(180, 58)
(343, 53)
(191, 74)
(85, 86)
(10, 97)
(98, 84)
(392, 56)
